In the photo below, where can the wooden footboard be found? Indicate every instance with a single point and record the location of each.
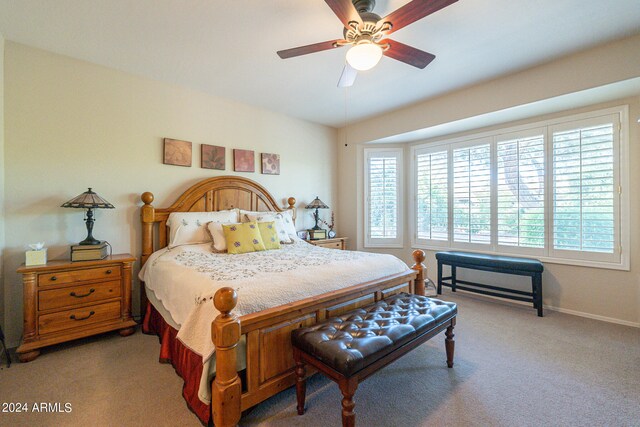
(270, 364)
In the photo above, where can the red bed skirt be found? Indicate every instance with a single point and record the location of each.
(186, 363)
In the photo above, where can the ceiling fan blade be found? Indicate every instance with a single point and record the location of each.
(407, 54)
(345, 11)
(311, 48)
(348, 76)
(413, 11)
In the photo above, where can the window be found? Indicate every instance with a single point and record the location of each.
(552, 189)
(472, 194)
(584, 197)
(383, 213)
(520, 186)
(432, 183)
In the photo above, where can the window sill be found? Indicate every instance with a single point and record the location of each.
(624, 265)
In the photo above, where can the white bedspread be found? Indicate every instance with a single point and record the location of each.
(185, 278)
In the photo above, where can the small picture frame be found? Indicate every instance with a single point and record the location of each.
(243, 160)
(270, 164)
(212, 157)
(177, 152)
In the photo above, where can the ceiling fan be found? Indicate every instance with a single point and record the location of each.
(367, 34)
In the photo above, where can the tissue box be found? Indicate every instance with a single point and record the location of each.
(35, 257)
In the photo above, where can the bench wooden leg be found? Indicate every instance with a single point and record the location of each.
(301, 382)
(449, 343)
(536, 281)
(453, 278)
(348, 388)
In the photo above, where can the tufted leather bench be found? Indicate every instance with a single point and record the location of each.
(358, 343)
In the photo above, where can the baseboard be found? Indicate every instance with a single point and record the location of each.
(558, 309)
(593, 316)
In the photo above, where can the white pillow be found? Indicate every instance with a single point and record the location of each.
(276, 217)
(186, 228)
(243, 213)
(289, 224)
(217, 234)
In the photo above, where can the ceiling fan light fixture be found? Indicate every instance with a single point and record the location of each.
(364, 55)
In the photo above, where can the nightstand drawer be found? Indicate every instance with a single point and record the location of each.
(112, 271)
(70, 296)
(78, 317)
(330, 245)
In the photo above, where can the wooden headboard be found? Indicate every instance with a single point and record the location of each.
(212, 194)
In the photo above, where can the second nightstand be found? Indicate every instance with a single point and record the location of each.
(335, 243)
(65, 300)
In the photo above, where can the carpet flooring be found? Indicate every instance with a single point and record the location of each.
(511, 369)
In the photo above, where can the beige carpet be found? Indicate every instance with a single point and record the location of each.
(512, 369)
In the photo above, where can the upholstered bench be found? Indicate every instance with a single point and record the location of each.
(351, 347)
(497, 264)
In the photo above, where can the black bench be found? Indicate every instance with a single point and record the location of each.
(497, 264)
(351, 347)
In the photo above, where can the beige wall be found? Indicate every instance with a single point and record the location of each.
(600, 293)
(2, 242)
(609, 63)
(71, 125)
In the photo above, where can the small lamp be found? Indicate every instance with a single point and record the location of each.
(316, 204)
(89, 201)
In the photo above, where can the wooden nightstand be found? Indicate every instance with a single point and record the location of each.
(65, 300)
(335, 243)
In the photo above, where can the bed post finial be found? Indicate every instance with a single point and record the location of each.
(419, 267)
(147, 197)
(292, 207)
(226, 390)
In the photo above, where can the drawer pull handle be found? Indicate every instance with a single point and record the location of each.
(108, 271)
(53, 278)
(73, 316)
(73, 294)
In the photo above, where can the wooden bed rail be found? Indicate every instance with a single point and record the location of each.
(226, 389)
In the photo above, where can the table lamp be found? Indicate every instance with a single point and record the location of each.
(89, 201)
(316, 204)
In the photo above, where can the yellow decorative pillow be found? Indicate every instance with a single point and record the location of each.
(242, 238)
(269, 235)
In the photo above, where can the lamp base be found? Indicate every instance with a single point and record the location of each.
(91, 241)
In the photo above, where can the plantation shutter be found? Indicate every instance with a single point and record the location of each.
(472, 194)
(585, 200)
(383, 198)
(432, 186)
(520, 188)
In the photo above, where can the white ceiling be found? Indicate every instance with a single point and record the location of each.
(228, 48)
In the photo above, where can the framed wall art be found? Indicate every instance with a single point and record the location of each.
(243, 160)
(177, 152)
(212, 157)
(270, 164)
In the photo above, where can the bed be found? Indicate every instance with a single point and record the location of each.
(253, 357)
